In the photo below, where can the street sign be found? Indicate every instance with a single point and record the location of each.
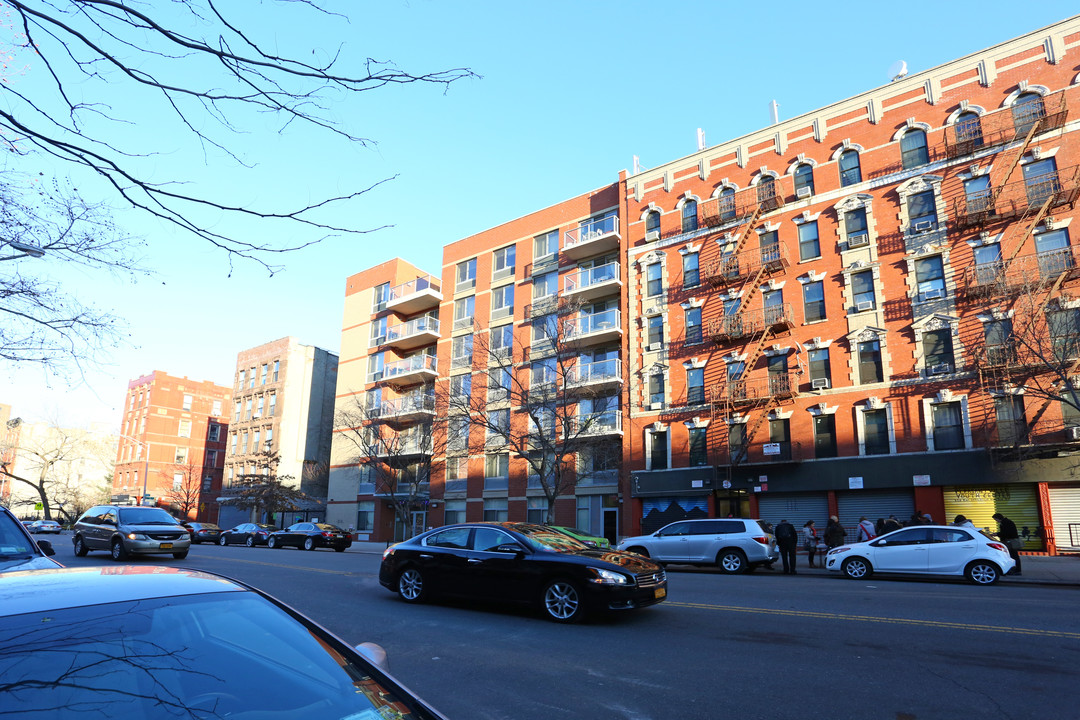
(771, 448)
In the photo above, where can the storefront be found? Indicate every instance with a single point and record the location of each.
(978, 503)
(873, 504)
(796, 508)
(1065, 515)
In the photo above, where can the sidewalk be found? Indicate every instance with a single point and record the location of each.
(1038, 569)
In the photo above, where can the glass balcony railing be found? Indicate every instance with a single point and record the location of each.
(588, 324)
(408, 366)
(595, 372)
(590, 231)
(406, 405)
(427, 282)
(598, 423)
(592, 277)
(418, 326)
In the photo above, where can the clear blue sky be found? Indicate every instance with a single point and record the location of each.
(571, 91)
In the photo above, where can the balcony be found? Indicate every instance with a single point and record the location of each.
(592, 238)
(740, 392)
(1000, 279)
(740, 205)
(423, 293)
(1017, 199)
(602, 375)
(542, 307)
(597, 424)
(751, 323)
(735, 268)
(412, 370)
(1004, 126)
(406, 444)
(413, 334)
(592, 283)
(408, 408)
(593, 329)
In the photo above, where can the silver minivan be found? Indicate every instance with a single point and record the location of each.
(126, 530)
(732, 544)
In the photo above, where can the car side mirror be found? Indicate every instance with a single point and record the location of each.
(46, 547)
(375, 654)
(510, 549)
(590, 543)
(881, 543)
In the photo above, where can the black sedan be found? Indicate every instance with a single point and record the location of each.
(250, 534)
(521, 563)
(202, 532)
(310, 535)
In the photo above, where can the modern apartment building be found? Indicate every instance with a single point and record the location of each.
(869, 309)
(282, 404)
(172, 443)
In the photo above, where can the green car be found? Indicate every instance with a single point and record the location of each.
(581, 536)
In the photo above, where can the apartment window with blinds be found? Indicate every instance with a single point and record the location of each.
(698, 447)
(948, 426)
(690, 270)
(809, 244)
(692, 320)
(695, 386)
(654, 280)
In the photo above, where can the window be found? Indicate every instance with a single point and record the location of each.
(1000, 349)
(658, 454)
(779, 380)
(236, 412)
(804, 180)
(692, 319)
(502, 302)
(502, 342)
(536, 510)
(690, 271)
(376, 364)
(545, 247)
(543, 330)
(969, 131)
(809, 247)
(458, 434)
(850, 172)
(875, 432)
(461, 385)
(177, 481)
(545, 286)
(862, 290)
(656, 389)
(737, 442)
(499, 426)
(766, 190)
(185, 429)
(913, 149)
(695, 386)
(652, 224)
(247, 409)
(269, 442)
(820, 369)
(855, 227)
(870, 370)
(1064, 328)
(948, 426)
(251, 378)
(187, 402)
(262, 373)
(277, 366)
(378, 332)
(727, 204)
(1053, 253)
(780, 434)
(259, 406)
(255, 444)
(543, 373)
(213, 433)
(825, 436)
(461, 351)
(698, 448)
(365, 516)
(466, 275)
(770, 246)
(380, 296)
(211, 459)
(689, 216)
(930, 278)
(464, 311)
(922, 212)
(502, 262)
(654, 280)
(215, 409)
(232, 446)
(495, 510)
(977, 194)
(1026, 111)
(773, 300)
(273, 404)
(656, 331)
(1011, 423)
(938, 350)
(497, 465)
(814, 301)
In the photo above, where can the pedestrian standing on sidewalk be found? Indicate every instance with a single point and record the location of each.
(1007, 534)
(787, 540)
(834, 533)
(810, 540)
(866, 530)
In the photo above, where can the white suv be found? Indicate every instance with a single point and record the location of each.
(734, 545)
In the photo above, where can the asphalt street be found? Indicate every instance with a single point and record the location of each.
(763, 645)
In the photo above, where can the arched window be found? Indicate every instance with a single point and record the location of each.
(804, 180)
(850, 172)
(766, 190)
(727, 204)
(913, 149)
(969, 131)
(652, 222)
(689, 215)
(1026, 111)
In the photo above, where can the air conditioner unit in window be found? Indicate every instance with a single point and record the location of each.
(803, 192)
(940, 369)
(934, 294)
(654, 346)
(652, 235)
(858, 240)
(820, 383)
(656, 406)
(922, 227)
(864, 305)
(1073, 433)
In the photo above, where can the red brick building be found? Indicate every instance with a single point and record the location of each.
(172, 443)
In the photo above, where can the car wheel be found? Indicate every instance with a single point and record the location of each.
(731, 561)
(857, 568)
(639, 550)
(180, 555)
(80, 547)
(410, 585)
(982, 572)
(309, 544)
(250, 542)
(271, 543)
(118, 551)
(222, 541)
(563, 601)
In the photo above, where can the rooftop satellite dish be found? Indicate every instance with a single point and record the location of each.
(897, 70)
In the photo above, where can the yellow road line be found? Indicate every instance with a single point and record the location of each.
(887, 620)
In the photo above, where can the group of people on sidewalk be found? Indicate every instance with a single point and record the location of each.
(787, 537)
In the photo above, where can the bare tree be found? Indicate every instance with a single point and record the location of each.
(397, 443)
(555, 405)
(190, 68)
(186, 490)
(264, 491)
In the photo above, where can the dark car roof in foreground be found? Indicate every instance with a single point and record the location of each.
(44, 590)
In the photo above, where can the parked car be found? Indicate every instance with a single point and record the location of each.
(735, 545)
(45, 526)
(590, 540)
(126, 530)
(310, 535)
(19, 550)
(521, 563)
(925, 550)
(249, 534)
(160, 643)
(202, 532)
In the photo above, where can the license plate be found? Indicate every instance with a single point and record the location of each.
(661, 592)
(166, 546)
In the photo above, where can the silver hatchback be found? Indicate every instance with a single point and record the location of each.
(732, 544)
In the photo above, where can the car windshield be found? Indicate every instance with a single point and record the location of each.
(145, 516)
(545, 538)
(233, 655)
(14, 545)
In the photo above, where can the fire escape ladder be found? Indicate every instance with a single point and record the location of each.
(1018, 154)
(1029, 230)
(755, 353)
(748, 229)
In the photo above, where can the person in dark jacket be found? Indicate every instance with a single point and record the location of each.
(834, 533)
(787, 539)
(1007, 534)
